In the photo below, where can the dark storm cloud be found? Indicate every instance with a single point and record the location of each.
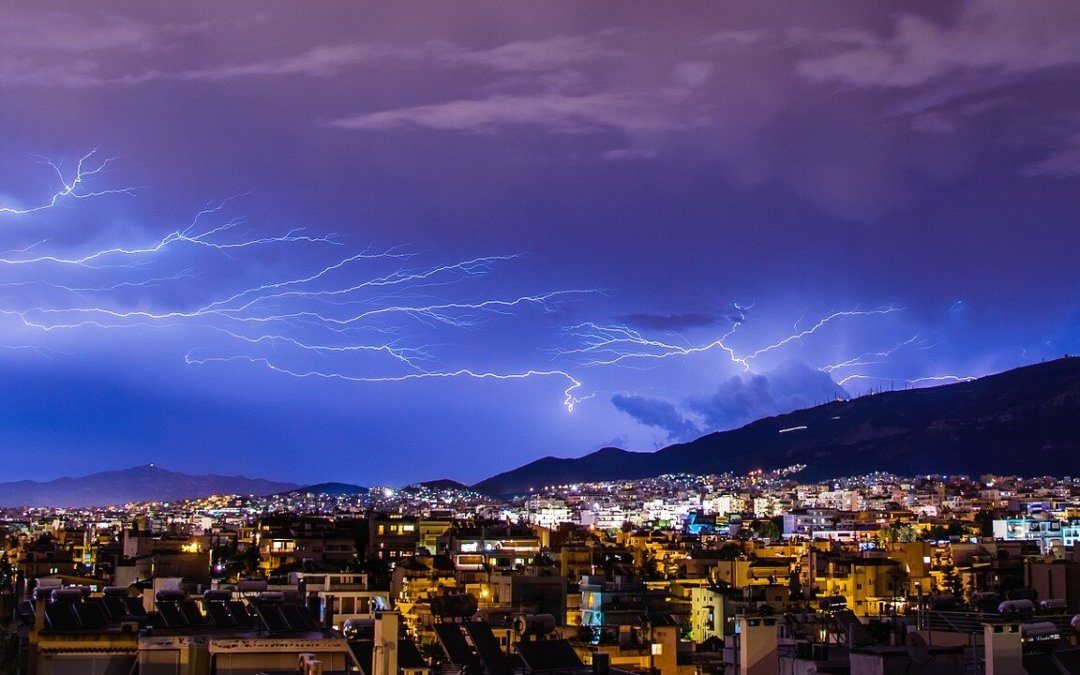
(765, 100)
(656, 413)
(737, 401)
(926, 75)
(986, 37)
(745, 398)
(672, 321)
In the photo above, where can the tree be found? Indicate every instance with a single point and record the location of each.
(650, 569)
(937, 533)
(377, 569)
(240, 563)
(766, 529)
(985, 521)
(899, 533)
(954, 585)
(7, 574)
(795, 592)
(729, 552)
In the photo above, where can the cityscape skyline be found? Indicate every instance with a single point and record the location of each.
(618, 228)
(537, 338)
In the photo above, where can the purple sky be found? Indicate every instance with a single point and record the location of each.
(630, 181)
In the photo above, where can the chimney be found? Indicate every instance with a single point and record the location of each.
(315, 607)
(40, 600)
(387, 627)
(39, 624)
(310, 665)
(601, 663)
(1003, 649)
(757, 646)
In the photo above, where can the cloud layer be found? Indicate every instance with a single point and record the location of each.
(656, 413)
(744, 398)
(738, 400)
(714, 95)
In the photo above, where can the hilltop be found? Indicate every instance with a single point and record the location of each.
(1024, 421)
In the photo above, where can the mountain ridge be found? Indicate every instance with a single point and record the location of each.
(330, 488)
(142, 483)
(439, 484)
(984, 425)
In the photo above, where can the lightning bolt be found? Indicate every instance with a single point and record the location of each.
(869, 358)
(813, 329)
(103, 288)
(872, 358)
(203, 239)
(608, 345)
(37, 349)
(569, 399)
(73, 187)
(289, 312)
(914, 382)
(358, 312)
(942, 378)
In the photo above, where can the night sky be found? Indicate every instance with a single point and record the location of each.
(391, 242)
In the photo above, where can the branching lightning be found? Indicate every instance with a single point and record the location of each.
(346, 309)
(942, 378)
(913, 382)
(873, 358)
(569, 400)
(606, 345)
(74, 186)
(869, 358)
(204, 238)
(359, 313)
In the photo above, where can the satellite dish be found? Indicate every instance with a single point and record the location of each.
(917, 649)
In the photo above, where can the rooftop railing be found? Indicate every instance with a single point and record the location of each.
(972, 622)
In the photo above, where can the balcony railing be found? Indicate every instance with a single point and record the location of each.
(972, 622)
